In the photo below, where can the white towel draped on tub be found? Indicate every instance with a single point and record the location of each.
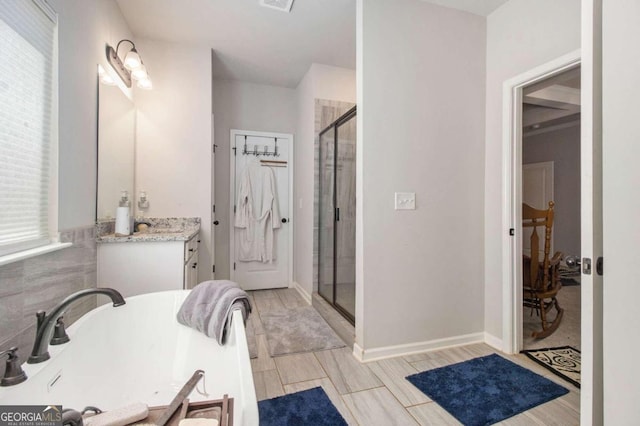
(257, 213)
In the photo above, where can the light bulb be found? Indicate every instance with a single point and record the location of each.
(132, 60)
(140, 73)
(145, 83)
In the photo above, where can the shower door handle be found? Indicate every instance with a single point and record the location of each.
(337, 214)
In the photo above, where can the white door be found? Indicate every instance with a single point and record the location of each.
(537, 184)
(537, 191)
(249, 147)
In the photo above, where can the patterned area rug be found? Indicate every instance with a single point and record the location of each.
(310, 407)
(298, 330)
(563, 361)
(486, 390)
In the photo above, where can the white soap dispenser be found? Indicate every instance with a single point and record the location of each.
(123, 216)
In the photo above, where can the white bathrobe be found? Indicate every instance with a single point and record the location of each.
(257, 214)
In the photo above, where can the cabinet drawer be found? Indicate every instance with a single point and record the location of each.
(191, 247)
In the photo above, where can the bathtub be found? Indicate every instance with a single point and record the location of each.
(138, 352)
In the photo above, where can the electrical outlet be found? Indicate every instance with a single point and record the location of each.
(405, 201)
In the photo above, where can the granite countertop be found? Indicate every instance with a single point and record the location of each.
(161, 229)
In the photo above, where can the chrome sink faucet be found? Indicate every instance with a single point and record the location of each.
(46, 324)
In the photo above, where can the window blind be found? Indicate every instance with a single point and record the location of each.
(27, 48)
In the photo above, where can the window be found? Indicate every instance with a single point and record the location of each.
(28, 125)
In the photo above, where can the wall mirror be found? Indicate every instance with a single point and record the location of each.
(116, 146)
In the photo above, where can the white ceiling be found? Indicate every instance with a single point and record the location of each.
(262, 45)
(478, 7)
(552, 103)
(253, 43)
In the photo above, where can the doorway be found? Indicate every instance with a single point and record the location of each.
(512, 242)
(550, 148)
(337, 214)
(261, 237)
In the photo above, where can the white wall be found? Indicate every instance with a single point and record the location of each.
(173, 139)
(320, 82)
(243, 106)
(561, 146)
(621, 209)
(423, 85)
(521, 35)
(84, 27)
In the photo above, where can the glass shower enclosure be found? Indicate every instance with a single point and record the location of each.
(337, 215)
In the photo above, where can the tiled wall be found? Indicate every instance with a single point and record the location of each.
(41, 282)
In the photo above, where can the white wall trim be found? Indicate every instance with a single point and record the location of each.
(375, 354)
(512, 194)
(360, 147)
(305, 295)
(592, 226)
(493, 341)
(26, 254)
(358, 352)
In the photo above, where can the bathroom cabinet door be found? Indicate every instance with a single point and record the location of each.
(191, 274)
(135, 268)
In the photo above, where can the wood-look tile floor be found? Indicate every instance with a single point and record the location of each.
(376, 393)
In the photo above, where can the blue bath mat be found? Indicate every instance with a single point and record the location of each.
(310, 407)
(486, 390)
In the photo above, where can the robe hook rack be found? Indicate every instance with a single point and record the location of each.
(265, 152)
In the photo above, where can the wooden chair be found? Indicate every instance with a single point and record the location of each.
(541, 281)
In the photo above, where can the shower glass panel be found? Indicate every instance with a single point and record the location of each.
(337, 214)
(345, 243)
(326, 218)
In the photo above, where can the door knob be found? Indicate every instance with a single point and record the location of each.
(572, 261)
(284, 220)
(215, 222)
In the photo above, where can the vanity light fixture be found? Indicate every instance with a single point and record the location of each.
(132, 67)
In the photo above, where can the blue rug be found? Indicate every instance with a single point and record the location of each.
(310, 407)
(485, 390)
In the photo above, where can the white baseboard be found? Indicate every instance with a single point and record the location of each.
(358, 352)
(375, 354)
(306, 296)
(493, 341)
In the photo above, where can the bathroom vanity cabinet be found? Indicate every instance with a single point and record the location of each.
(146, 265)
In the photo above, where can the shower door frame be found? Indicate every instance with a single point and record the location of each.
(344, 118)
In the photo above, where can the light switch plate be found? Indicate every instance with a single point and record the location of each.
(405, 201)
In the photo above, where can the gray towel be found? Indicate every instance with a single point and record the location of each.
(209, 305)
